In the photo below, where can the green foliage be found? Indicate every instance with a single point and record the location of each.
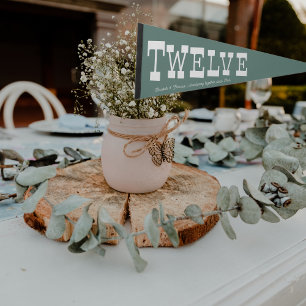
(184, 155)
(281, 188)
(30, 203)
(32, 176)
(151, 227)
(195, 213)
(226, 225)
(71, 203)
(222, 153)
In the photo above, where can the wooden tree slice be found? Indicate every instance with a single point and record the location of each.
(185, 186)
(85, 179)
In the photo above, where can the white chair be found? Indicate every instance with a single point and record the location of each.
(11, 93)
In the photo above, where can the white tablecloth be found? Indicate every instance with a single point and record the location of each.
(265, 265)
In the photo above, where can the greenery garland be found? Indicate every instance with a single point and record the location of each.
(281, 191)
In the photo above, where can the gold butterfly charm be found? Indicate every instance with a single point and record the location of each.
(162, 152)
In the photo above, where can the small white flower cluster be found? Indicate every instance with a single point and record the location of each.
(108, 75)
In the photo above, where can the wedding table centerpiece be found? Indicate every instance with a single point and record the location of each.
(137, 152)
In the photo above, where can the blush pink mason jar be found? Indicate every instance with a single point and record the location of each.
(132, 175)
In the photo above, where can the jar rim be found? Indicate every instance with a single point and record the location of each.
(116, 120)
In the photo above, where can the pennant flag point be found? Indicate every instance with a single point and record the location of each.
(169, 62)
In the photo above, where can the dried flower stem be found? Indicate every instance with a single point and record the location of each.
(7, 166)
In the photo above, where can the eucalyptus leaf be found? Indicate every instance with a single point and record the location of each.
(71, 203)
(152, 229)
(179, 159)
(256, 135)
(82, 227)
(20, 191)
(187, 142)
(273, 176)
(161, 213)
(276, 131)
(155, 215)
(279, 144)
(228, 144)
(75, 247)
(198, 140)
(269, 216)
(102, 230)
(40, 153)
(56, 226)
(106, 218)
(13, 155)
(198, 145)
(86, 154)
(73, 153)
(272, 158)
(63, 163)
(291, 177)
(195, 213)
(171, 232)
(44, 161)
(32, 176)
(202, 137)
(234, 200)
(91, 243)
(229, 161)
(193, 160)
(171, 218)
(249, 211)
(99, 250)
(285, 212)
(297, 194)
(29, 205)
(215, 152)
(256, 194)
(227, 226)
(182, 150)
(223, 198)
(289, 147)
(251, 151)
(140, 264)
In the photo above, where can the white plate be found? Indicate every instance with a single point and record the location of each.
(54, 127)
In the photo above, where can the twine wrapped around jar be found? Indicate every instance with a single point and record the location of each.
(150, 139)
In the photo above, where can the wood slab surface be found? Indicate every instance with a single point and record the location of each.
(185, 186)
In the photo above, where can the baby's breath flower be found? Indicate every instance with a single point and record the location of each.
(108, 76)
(132, 103)
(151, 112)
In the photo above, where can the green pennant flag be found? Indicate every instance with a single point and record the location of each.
(169, 62)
